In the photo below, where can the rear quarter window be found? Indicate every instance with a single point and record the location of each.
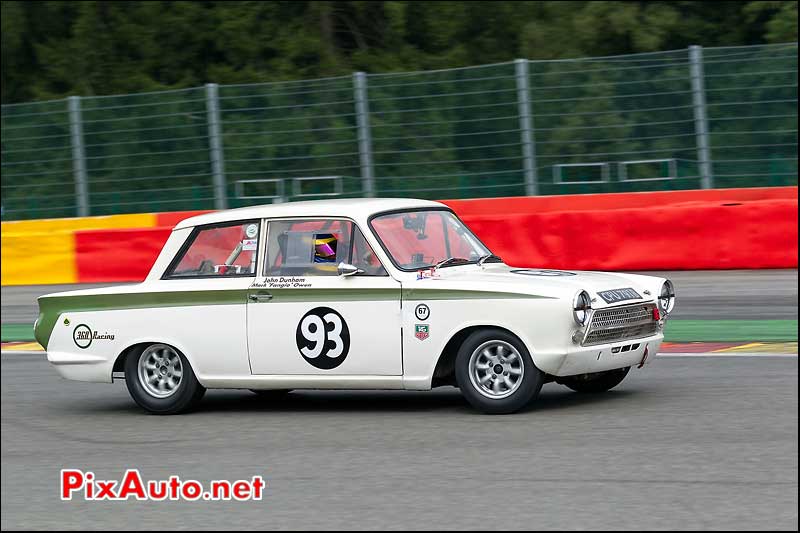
(222, 250)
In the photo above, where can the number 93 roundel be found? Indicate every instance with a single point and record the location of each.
(323, 338)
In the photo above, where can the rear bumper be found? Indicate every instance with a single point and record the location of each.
(82, 367)
(585, 360)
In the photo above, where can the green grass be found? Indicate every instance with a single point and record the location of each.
(16, 332)
(731, 330)
(676, 331)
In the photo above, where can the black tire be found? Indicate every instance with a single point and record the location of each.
(187, 395)
(270, 394)
(527, 390)
(597, 382)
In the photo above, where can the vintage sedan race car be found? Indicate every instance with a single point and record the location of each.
(351, 294)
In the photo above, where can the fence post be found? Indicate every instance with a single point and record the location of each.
(215, 146)
(364, 136)
(526, 127)
(700, 117)
(78, 156)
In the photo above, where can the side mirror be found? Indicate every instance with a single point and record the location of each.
(346, 269)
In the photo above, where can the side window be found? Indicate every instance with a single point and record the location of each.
(219, 250)
(364, 258)
(307, 247)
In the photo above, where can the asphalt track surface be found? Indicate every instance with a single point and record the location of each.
(688, 443)
(719, 294)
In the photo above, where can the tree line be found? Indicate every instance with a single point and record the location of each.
(51, 49)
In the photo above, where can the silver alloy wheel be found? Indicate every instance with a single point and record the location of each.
(160, 370)
(496, 369)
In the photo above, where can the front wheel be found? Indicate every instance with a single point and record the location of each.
(495, 372)
(597, 382)
(161, 380)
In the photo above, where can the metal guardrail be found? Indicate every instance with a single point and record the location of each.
(717, 117)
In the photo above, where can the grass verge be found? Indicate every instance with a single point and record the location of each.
(16, 332)
(731, 331)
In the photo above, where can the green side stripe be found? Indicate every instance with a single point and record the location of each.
(331, 295)
(453, 294)
(52, 307)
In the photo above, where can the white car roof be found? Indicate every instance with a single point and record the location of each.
(357, 208)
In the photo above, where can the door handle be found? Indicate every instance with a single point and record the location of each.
(260, 297)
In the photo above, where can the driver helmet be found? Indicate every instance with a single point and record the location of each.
(325, 248)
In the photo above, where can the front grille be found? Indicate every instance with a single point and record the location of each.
(621, 323)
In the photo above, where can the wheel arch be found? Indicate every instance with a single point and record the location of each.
(444, 371)
(119, 362)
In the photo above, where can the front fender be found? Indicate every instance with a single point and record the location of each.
(544, 326)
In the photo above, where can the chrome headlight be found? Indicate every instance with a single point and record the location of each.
(666, 299)
(581, 306)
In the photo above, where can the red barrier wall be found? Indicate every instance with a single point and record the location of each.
(592, 202)
(680, 230)
(171, 219)
(117, 254)
(692, 236)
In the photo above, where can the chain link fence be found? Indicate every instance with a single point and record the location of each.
(684, 119)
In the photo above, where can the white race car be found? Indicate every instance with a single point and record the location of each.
(351, 294)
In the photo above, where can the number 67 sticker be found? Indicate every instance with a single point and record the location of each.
(323, 338)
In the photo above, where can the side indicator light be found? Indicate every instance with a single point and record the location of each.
(656, 314)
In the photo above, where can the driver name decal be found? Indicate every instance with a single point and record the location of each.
(282, 282)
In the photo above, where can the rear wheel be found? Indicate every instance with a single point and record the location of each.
(161, 380)
(597, 382)
(495, 372)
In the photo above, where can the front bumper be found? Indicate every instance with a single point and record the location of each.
(588, 359)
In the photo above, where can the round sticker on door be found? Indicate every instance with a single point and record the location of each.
(323, 338)
(422, 312)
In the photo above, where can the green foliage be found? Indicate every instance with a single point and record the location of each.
(52, 49)
(286, 97)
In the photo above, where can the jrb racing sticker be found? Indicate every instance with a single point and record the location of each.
(83, 335)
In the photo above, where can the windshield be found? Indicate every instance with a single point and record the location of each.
(422, 239)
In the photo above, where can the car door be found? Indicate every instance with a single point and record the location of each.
(304, 318)
(200, 301)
